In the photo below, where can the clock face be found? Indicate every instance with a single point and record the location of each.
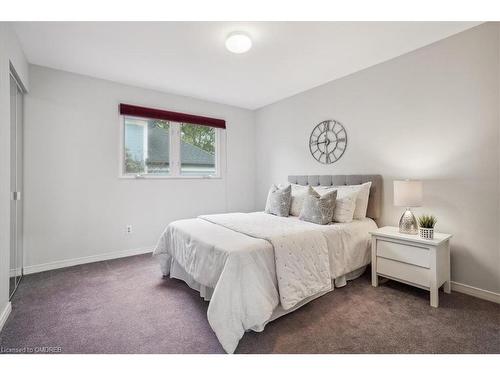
(328, 141)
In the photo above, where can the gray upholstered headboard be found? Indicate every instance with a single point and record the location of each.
(375, 202)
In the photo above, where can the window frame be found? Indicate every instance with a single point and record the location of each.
(174, 154)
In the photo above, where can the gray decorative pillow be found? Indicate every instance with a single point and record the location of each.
(317, 208)
(279, 200)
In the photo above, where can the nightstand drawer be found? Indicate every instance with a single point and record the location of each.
(403, 271)
(403, 253)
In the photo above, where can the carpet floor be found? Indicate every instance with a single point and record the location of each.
(124, 306)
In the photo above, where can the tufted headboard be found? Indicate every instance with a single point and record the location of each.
(375, 201)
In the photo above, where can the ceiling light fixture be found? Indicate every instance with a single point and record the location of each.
(238, 42)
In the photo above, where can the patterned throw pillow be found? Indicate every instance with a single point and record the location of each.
(344, 208)
(317, 208)
(278, 200)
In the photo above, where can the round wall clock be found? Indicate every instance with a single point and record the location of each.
(328, 141)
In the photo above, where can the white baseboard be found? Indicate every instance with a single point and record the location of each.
(475, 292)
(15, 272)
(5, 314)
(90, 259)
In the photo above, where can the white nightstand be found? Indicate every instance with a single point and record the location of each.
(412, 260)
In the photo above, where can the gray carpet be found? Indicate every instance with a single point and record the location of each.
(124, 306)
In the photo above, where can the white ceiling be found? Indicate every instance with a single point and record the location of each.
(189, 58)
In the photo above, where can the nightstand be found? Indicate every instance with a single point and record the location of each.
(412, 260)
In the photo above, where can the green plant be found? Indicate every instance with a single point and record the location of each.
(427, 221)
(200, 136)
(132, 165)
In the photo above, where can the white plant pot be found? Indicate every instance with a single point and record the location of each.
(426, 233)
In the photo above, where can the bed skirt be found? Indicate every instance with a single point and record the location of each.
(177, 272)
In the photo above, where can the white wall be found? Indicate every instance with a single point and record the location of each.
(432, 114)
(75, 204)
(10, 53)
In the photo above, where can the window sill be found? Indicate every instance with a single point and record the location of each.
(125, 177)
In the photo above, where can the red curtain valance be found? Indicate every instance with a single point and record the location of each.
(133, 110)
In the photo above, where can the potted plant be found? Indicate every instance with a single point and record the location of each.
(426, 225)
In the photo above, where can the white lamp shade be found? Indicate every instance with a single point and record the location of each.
(408, 193)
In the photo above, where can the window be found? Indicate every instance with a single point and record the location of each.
(147, 146)
(197, 150)
(165, 148)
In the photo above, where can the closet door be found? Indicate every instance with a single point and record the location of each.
(19, 183)
(13, 220)
(16, 185)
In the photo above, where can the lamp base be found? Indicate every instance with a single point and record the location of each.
(408, 223)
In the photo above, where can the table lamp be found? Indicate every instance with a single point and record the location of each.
(408, 194)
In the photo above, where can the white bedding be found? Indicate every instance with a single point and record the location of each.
(300, 252)
(230, 259)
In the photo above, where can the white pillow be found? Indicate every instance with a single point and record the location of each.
(362, 194)
(299, 193)
(344, 208)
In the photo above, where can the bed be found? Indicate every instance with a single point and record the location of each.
(255, 267)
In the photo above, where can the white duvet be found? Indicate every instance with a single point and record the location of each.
(248, 265)
(300, 252)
